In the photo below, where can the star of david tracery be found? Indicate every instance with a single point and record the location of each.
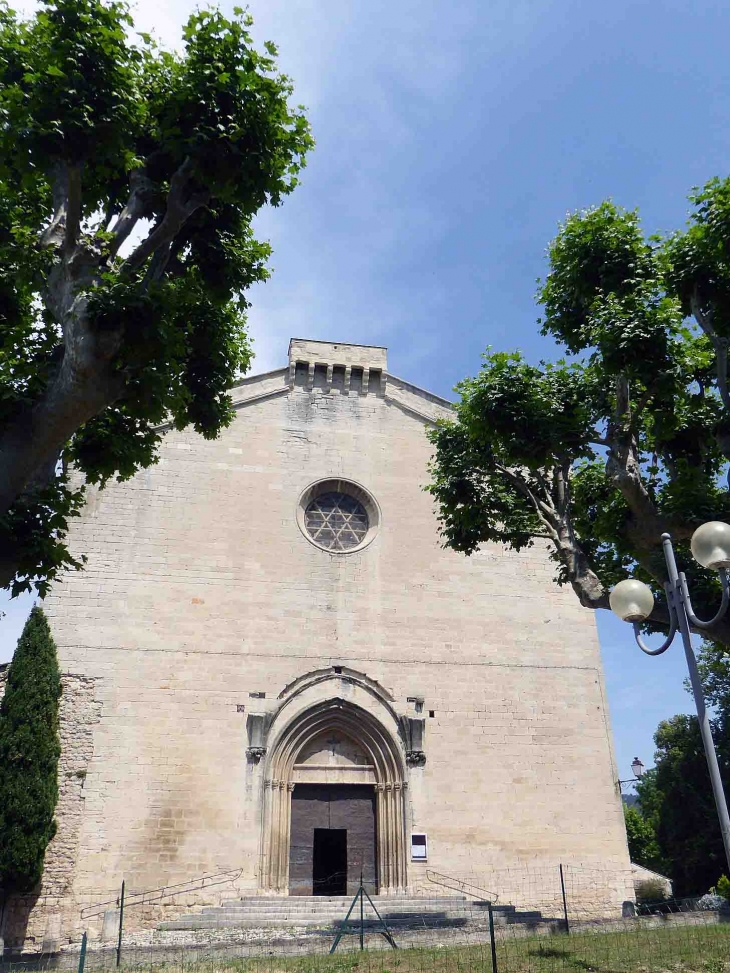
(336, 521)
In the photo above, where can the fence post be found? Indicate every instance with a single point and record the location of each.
(121, 925)
(565, 902)
(82, 954)
(491, 938)
(362, 916)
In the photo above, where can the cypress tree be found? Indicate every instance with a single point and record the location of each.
(29, 752)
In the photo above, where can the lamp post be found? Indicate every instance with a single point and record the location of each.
(633, 601)
(637, 769)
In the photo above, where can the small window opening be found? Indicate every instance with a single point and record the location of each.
(374, 384)
(431, 713)
(338, 670)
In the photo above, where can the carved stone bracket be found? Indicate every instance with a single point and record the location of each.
(257, 733)
(413, 732)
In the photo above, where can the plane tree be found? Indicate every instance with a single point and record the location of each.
(129, 179)
(628, 436)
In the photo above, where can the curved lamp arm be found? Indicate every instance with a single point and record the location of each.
(697, 622)
(672, 629)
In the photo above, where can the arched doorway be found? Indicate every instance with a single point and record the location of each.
(334, 768)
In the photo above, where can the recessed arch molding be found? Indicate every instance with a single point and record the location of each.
(289, 735)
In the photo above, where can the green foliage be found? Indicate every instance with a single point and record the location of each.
(601, 454)
(100, 137)
(723, 887)
(676, 799)
(643, 846)
(29, 752)
(714, 666)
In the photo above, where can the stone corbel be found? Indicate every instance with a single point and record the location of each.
(413, 731)
(257, 730)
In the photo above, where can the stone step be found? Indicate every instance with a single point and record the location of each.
(328, 912)
(252, 913)
(335, 920)
(344, 899)
(431, 921)
(295, 906)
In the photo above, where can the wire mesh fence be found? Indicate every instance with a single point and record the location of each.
(558, 920)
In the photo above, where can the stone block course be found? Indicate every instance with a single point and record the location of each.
(201, 589)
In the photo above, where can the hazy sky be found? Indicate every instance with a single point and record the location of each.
(451, 140)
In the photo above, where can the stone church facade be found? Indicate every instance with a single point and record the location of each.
(271, 666)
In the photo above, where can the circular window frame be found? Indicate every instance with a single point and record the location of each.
(349, 488)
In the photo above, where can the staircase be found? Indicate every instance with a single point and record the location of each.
(327, 913)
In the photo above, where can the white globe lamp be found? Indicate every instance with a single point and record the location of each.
(631, 600)
(711, 545)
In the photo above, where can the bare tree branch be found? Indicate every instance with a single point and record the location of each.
(720, 344)
(84, 385)
(180, 207)
(542, 509)
(53, 234)
(140, 188)
(158, 265)
(703, 318)
(73, 207)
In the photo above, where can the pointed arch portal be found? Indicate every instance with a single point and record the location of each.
(336, 744)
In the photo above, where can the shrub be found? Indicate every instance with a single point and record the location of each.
(651, 890)
(29, 752)
(723, 887)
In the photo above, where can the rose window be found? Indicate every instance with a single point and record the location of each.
(336, 521)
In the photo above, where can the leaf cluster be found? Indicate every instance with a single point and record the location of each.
(675, 797)
(643, 845)
(29, 753)
(129, 179)
(627, 438)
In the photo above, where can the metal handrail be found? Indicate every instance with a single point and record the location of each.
(457, 885)
(166, 891)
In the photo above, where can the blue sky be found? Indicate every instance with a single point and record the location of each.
(452, 139)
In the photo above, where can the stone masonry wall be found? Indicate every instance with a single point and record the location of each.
(203, 599)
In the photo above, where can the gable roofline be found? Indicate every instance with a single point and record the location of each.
(258, 376)
(417, 401)
(419, 390)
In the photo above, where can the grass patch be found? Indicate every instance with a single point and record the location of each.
(703, 948)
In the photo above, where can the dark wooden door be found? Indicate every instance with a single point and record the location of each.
(346, 808)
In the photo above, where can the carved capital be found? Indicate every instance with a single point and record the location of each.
(255, 754)
(415, 758)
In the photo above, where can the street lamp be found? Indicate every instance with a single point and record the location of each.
(637, 769)
(633, 602)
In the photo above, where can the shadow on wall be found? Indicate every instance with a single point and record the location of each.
(14, 925)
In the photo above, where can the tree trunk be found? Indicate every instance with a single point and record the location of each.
(84, 384)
